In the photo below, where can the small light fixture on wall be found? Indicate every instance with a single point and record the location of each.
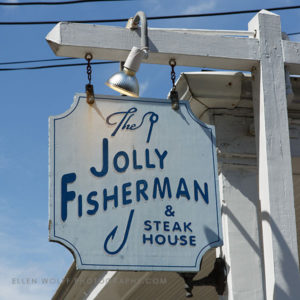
(125, 81)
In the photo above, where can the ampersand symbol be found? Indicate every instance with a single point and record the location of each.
(169, 211)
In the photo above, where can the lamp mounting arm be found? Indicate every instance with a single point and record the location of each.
(133, 23)
(125, 81)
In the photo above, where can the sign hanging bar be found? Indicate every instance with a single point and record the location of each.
(114, 43)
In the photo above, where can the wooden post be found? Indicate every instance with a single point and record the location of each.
(242, 246)
(275, 171)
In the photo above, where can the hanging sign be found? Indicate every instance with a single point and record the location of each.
(133, 185)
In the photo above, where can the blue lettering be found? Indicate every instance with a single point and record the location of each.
(148, 226)
(157, 223)
(126, 193)
(135, 165)
(127, 126)
(162, 191)
(126, 113)
(186, 226)
(80, 206)
(170, 240)
(197, 189)
(66, 196)
(176, 227)
(192, 240)
(113, 197)
(124, 124)
(166, 226)
(126, 161)
(147, 157)
(161, 157)
(92, 202)
(160, 239)
(104, 170)
(182, 190)
(141, 190)
(121, 160)
(150, 239)
(183, 240)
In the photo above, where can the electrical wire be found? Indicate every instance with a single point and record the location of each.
(56, 66)
(34, 61)
(293, 33)
(153, 18)
(53, 2)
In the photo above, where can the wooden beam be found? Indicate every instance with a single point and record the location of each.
(189, 48)
(276, 194)
(242, 248)
(291, 51)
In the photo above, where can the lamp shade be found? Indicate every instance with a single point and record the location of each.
(124, 84)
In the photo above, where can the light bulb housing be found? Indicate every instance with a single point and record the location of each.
(124, 82)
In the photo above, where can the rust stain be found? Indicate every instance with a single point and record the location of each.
(97, 111)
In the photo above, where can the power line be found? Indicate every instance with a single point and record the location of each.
(154, 18)
(56, 66)
(34, 61)
(53, 2)
(224, 13)
(293, 33)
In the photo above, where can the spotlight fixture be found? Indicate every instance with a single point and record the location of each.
(125, 81)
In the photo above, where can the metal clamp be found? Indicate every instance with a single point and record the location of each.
(174, 99)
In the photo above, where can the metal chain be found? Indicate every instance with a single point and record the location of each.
(89, 89)
(172, 63)
(173, 93)
(89, 57)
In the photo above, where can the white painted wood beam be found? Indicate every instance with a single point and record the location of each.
(282, 280)
(242, 249)
(291, 54)
(188, 48)
(239, 33)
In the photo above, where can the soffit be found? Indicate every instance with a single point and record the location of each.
(157, 285)
(225, 90)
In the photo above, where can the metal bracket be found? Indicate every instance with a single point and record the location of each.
(89, 90)
(174, 99)
(217, 278)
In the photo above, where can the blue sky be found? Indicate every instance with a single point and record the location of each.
(29, 97)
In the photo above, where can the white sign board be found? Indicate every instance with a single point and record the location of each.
(133, 185)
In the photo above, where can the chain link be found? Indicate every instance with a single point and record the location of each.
(89, 57)
(172, 63)
(173, 93)
(89, 89)
(89, 72)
